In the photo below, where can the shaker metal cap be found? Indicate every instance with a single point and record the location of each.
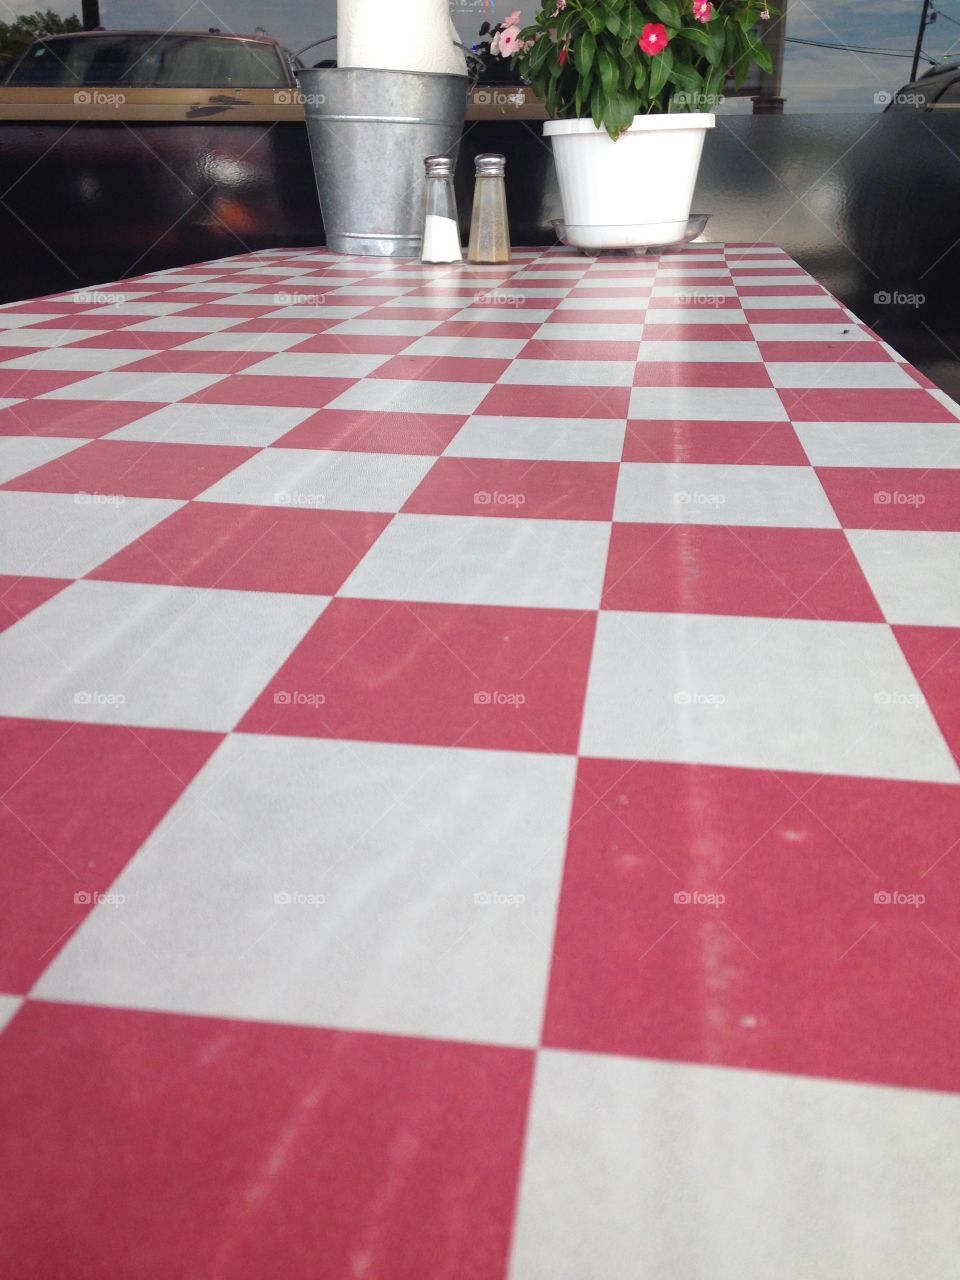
(490, 162)
(438, 166)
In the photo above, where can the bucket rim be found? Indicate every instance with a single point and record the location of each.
(385, 71)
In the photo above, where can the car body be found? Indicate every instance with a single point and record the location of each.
(938, 89)
(141, 76)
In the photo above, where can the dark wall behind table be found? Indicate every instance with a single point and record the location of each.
(869, 204)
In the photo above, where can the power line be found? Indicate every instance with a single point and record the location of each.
(938, 13)
(853, 48)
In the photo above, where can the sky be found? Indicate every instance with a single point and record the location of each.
(814, 79)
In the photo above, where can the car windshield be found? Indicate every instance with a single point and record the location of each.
(151, 61)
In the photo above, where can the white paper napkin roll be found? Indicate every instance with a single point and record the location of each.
(370, 34)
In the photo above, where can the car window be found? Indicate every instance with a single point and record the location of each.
(147, 61)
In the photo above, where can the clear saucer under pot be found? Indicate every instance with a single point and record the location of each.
(631, 241)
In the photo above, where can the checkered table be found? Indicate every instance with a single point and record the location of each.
(480, 789)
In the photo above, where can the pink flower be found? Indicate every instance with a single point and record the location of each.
(765, 15)
(495, 46)
(561, 5)
(513, 20)
(508, 41)
(653, 38)
(563, 55)
(702, 10)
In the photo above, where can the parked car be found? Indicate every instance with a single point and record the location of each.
(150, 75)
(938, 89)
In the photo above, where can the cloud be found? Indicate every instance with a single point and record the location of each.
(814, 79)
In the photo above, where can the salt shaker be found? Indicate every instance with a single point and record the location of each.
(441, 238)
(489, 232)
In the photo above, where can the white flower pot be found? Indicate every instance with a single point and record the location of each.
(632, 192)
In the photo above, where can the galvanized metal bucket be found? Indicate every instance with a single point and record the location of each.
(369, 133)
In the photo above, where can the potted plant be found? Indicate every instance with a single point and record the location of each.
(629, 85)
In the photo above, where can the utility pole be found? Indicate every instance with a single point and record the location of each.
(91, 15)
(924, 19)
(769, 100)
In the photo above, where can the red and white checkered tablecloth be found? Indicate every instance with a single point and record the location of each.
(479, 777)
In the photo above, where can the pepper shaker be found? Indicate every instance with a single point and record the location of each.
(489, 230)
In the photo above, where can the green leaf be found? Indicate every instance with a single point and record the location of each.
(761, 56)
(538, 54)
(626, 72)
(586, 53)
(609, 72)
(596, 105)
(668, 11)
(594, 20)
(710, 48)
(661, 65)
